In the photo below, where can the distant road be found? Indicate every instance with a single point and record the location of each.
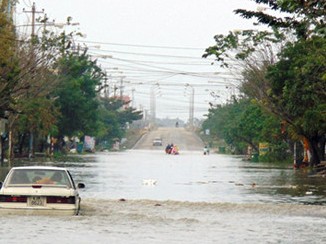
(184, 139)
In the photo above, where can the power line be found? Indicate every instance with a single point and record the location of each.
(142, 46)
(166, 70)
(152, 54)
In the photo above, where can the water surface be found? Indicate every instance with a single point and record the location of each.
(141, 196)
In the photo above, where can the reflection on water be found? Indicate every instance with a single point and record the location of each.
(194, 177)
(191, 177)
(196, 199)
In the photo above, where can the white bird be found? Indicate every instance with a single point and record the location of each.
(149, 182)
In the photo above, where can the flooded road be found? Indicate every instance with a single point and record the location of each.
(146, 196)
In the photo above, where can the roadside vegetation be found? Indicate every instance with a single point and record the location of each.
(50, 90)
(283, 82)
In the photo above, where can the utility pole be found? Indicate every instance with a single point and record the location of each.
(115, 90)
(33, 12)
(152, 106)
(191, 105)
(121, 87)
(153, 103)
(133, 97)
(106, 86)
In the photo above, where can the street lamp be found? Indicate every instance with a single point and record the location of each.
(153, 102)
(191, 105)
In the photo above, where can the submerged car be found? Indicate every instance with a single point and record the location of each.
(39, 190)
(157, 142)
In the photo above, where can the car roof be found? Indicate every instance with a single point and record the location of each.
(40, 167)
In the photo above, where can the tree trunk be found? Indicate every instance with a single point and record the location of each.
(21, 143)
(314, 150)
(1, 151)
(11, 120)
(31, 145)
(10, 147)
(322, 143)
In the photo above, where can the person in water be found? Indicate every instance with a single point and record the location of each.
(168, 149)
(206, 150)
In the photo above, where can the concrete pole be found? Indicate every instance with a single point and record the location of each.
(121, 87)
(33, 12)
(133, 97)
(33, 20)
(191, 107)
(152, 105)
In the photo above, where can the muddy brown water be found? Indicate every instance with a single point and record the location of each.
(146, 196)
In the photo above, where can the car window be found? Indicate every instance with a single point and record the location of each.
(39, 176)
(19, 177)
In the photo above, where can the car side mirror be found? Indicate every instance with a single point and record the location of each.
(80, 185)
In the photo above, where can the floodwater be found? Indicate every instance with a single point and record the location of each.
(141, 196)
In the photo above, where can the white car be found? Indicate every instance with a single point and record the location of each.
(157, 142)
(39, 190)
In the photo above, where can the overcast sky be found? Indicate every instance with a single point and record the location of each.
(153, 44)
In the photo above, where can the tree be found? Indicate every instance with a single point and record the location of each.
(39, 118)
(76, 94)
(114, 115)
(33, 82)
(305, 18)
(294, 37)
(27, 81)
(8, 61)
(244, 123)
(299, 91)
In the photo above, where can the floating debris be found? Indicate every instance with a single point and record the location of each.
(149, 182)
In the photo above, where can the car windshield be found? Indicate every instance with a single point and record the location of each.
(39, 177)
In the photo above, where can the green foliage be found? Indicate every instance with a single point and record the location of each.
(76, 94)
(114, 117)
(299, 87)
(9, 69)
(39, 115)
(244, 123)
(291, 84)
(49, 88)
(304, 18)
(241, 45)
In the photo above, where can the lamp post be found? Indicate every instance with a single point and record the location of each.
(153, 103)
(133, 97)
(191, 105)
